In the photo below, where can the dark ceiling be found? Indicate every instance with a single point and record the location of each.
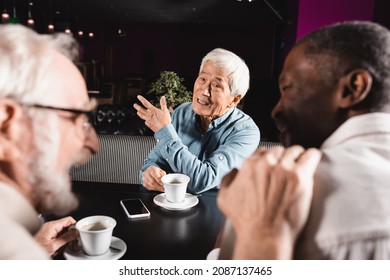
(163, 11)
(208, 11)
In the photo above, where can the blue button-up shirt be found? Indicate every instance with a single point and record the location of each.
(183, 147)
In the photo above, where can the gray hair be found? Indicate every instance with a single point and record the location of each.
(24, 60)
(353, 45)
(236, 67)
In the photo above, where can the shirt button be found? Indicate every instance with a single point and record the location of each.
(220, 158)
(158, 140)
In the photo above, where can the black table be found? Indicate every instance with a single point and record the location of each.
(182, 235)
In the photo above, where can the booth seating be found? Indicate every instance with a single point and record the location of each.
(120, 159)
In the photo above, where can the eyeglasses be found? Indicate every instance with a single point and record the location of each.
(86, 124)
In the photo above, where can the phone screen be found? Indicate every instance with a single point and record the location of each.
(134, 208)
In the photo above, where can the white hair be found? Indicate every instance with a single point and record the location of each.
(236, 67)
(24, 60)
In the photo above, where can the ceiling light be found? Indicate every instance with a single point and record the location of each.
(50, 28)
(30, 20)
(5, 15)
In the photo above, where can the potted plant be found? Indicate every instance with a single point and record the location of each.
(170, 85)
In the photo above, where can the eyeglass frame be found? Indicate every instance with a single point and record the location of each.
(87, 124)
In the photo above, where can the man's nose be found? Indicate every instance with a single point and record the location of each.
(92, 141)
(206, 90)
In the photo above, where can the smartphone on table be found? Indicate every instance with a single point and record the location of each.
(134, 208)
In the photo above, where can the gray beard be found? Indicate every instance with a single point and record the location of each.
(52, 187)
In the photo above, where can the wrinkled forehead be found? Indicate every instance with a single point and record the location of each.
(211, 68)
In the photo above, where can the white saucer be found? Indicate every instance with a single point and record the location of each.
(116, 251)
(189, 201)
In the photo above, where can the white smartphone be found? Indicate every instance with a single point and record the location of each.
(134, 208)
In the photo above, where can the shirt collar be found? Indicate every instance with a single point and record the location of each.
(218, 121)
(357, 126)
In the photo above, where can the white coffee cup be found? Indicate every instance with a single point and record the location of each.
(95, 234)
(175, 186)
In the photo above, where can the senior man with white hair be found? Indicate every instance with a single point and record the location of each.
(207, 138)
(44, 130)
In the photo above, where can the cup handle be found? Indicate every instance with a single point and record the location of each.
(76, 244)
(72, 227)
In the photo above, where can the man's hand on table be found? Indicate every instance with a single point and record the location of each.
(151, 178)
(55, 234)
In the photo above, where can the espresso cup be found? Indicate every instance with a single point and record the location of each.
(175, 186)
(95, 234)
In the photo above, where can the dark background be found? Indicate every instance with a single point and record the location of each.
(134, 40)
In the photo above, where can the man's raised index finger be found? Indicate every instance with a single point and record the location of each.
(145, 102)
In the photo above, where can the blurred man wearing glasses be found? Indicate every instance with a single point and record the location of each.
(44, 130)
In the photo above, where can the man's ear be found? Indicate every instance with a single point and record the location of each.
(235, 101)
(357, 86)
(10, 112)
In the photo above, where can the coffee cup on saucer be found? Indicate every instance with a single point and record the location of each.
(95, 234)
(175, 186)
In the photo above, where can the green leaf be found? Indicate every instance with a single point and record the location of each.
(171, 85)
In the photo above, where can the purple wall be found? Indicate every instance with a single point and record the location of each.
(313, 14)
